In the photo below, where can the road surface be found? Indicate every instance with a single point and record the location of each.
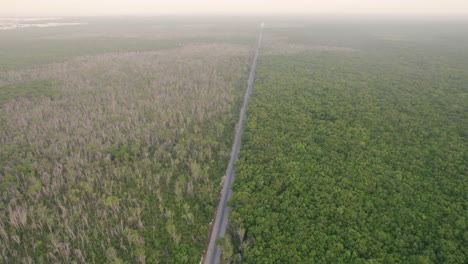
(213, 253)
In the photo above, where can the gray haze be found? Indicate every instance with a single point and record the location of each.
(222, 7)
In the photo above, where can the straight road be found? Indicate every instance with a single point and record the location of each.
(213, 253)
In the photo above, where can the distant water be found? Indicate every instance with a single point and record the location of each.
(10, 23)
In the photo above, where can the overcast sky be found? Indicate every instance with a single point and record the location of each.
(221, 7)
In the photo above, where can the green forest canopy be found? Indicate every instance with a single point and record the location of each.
(356, 154)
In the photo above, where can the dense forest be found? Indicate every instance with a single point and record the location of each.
(115, 135)
(116, 157)
(354, 149)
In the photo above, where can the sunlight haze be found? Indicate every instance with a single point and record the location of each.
(222, 7)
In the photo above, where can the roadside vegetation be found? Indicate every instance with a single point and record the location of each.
(117, 157)
(354, 149)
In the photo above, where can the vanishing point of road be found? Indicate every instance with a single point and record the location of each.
(213, 253)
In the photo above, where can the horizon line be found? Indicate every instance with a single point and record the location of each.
(353, 14)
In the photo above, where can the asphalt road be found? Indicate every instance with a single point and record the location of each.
(213, 253)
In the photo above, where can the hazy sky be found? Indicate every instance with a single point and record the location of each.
(152, 7)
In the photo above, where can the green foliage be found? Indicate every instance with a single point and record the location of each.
(354, 156)
(33, 89)
(221, 241)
